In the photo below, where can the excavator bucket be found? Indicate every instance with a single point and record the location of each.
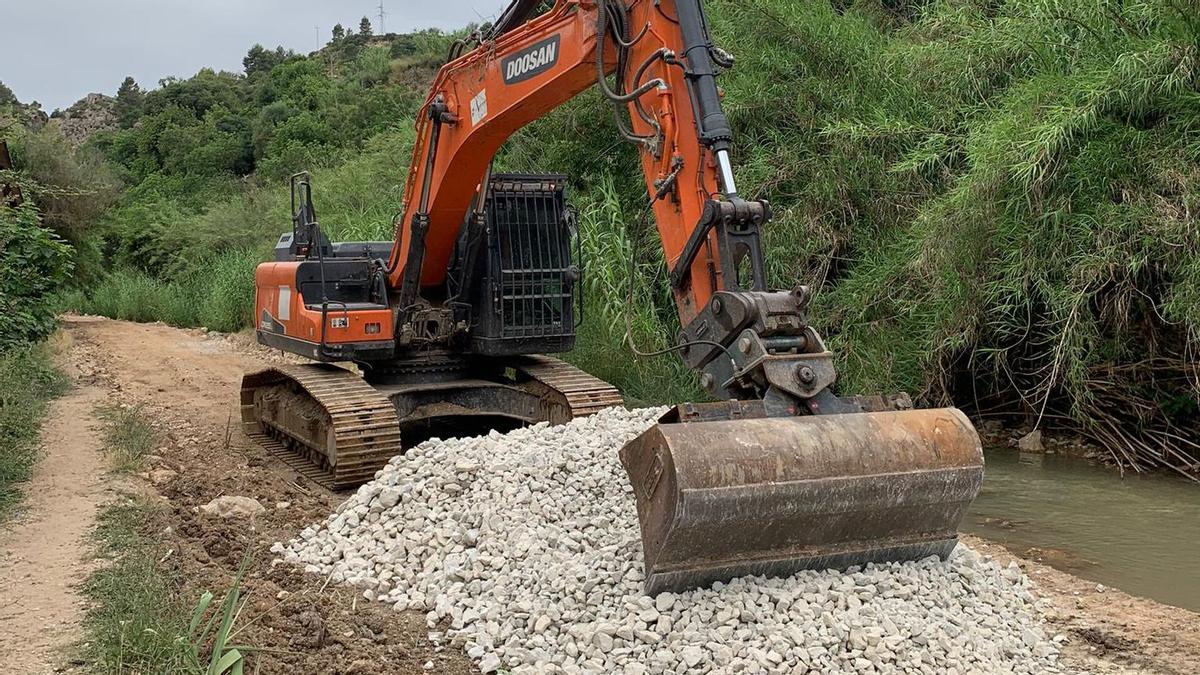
(770, 496)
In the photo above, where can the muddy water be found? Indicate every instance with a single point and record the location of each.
(1139, 534)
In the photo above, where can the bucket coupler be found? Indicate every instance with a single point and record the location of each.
(783, 475)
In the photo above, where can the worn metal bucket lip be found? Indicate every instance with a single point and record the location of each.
(720, 499)
(683, 579)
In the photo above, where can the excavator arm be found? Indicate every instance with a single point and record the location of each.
(480, 99)
(665, 76)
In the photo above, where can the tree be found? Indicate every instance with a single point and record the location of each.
(7, 97)
(261, 60)
(129, 102)
(338, 32)
(364, 27)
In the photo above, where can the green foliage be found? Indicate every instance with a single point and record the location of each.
(228, 291)
(28, 380)
(129, 436)
(7, 97)
(71, 189)
(260, 60)
(129, 102)
(137, 622)
(34, 264)
(218, 294)
(133, 617)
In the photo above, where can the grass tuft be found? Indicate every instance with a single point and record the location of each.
(28, 381)
(129, 436)
(137, 620)
(134, 617)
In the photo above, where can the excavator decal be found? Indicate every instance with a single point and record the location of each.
(531, 62)
(268, 323)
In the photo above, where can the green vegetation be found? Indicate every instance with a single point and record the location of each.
(136, 621)
(994, 202)
(129, 436)
(34, 264)
(28, 380)
(133, 617)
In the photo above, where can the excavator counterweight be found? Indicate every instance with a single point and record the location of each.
(448, 326)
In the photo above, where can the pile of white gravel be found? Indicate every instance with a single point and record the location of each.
(524, 549)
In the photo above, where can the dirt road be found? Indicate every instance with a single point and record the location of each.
(43, 553)
(190, 381)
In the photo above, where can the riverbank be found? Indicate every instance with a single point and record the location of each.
(187, 382)
(1107, 630)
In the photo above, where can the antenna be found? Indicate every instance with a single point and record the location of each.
(382, 30)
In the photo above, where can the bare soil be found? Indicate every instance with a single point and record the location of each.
(43, 552)
(191, 381)
(1107, 630)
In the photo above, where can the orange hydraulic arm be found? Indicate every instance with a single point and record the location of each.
(664, 66)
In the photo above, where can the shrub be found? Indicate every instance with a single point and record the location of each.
(228, 299)
(34, 264)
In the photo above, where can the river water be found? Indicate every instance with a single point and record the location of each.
(1140, 534)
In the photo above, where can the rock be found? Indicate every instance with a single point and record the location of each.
(664, 601)
(389, 497)
(490, 663)
(603, 642)
(161, 476)
(1031, 442)
(232, 506)
(692, 655)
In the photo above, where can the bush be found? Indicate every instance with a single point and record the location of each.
(70, 188)
(228, 300)
(218, 295)
(34, 264)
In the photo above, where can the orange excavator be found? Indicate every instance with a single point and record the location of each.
(449, 326)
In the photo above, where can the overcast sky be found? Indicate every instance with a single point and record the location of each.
(57, 51)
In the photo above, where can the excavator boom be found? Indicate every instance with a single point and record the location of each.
(449, 322)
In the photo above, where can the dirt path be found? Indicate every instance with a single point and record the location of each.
(190, 382)
(43, 553)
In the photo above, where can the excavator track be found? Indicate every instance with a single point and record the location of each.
(584, 394)
(335, 428)
(345, 433)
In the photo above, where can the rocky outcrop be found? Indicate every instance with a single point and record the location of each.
(88, 116)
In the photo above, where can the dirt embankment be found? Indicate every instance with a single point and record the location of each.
(190, 381)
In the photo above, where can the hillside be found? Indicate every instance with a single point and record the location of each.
(996, 201)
